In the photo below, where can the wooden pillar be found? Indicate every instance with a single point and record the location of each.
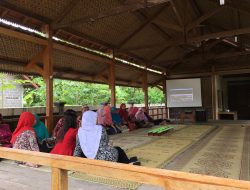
(59, 179)
(165, 96)
(145, 88)
(48, 78)
(112, 81)
(214, 95)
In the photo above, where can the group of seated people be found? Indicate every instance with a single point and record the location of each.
(81, 136)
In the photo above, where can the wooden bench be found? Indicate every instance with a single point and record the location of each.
(169, 180)
(160, 130)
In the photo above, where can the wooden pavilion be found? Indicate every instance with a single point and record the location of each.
(120, 42)
(137, 43)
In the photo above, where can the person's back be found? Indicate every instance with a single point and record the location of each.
(115, 116)
(40, 129)
(24, 136)
(132, 111)
(66, 139)
(5, 133)
(100, 115)
(67, 145)
(107, 113)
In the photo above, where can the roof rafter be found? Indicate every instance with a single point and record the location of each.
(211, 57)
(201, 19)
(65, 12)
(112, 12)
(169, 25)
(205, 37)
(177, 12)
(7, 5)
(139, 29)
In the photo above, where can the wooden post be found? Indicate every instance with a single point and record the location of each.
(145, 88)
(165, 95)
(59, 179)
(48, 78)
(112, 81)
(214, 95)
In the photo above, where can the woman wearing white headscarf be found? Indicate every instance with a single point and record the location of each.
(92, 142)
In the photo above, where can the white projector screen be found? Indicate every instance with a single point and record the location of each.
(184, 93)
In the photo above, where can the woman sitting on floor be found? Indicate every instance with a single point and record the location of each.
(132, 111)
(5, 134)
(66, 139)
(58, 127)
(100, 115)
(79, 118)
(125, 119)
(123, 114)
(141, 119)
(93, 142)
(41, 133)
(24, 136)
(108, 122)
(40, 129)
(116, 117)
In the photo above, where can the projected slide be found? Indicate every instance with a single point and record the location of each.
(184, 93)
(181, 95)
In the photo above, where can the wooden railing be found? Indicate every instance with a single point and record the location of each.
(170, 180)
(158, 112)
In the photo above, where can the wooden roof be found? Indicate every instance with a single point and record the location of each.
(179, 37)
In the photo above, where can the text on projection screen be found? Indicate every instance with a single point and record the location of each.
(184, 93)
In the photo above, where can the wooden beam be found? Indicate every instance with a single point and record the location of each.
(161, 32)
(48, 78)
(59, 179)
(240, 5)
(27, 78)
(139, 29)
(22, 36)
(166, 179)
(111, 12)
(167, 24)
(205, 37)
(34, 16)
(145, 89)
(160, 53)
(44, 42)
(204, 17)
(101, 72)
(214, 81)
(65, 12)
(164, 90)
(159, 87)
(177, 12)
(209, 73)
(35, 59)
(112, 81)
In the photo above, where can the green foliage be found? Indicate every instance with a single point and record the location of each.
(79, 93)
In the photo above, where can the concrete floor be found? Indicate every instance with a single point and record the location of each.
(13, 177)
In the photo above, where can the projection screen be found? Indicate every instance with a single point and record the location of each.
(184, 93)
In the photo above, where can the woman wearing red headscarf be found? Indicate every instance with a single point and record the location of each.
(123, 113)
(24, 136)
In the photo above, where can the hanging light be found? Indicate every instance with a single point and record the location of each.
(222, 2)
(235, 39)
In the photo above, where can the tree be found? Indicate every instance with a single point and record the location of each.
(79, 93)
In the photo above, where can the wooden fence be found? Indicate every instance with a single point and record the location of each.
(159, 112)
(170, 180)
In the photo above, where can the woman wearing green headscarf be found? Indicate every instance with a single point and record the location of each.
(40, 129)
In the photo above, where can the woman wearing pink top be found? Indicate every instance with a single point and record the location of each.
(100, 115)
(107, 113)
